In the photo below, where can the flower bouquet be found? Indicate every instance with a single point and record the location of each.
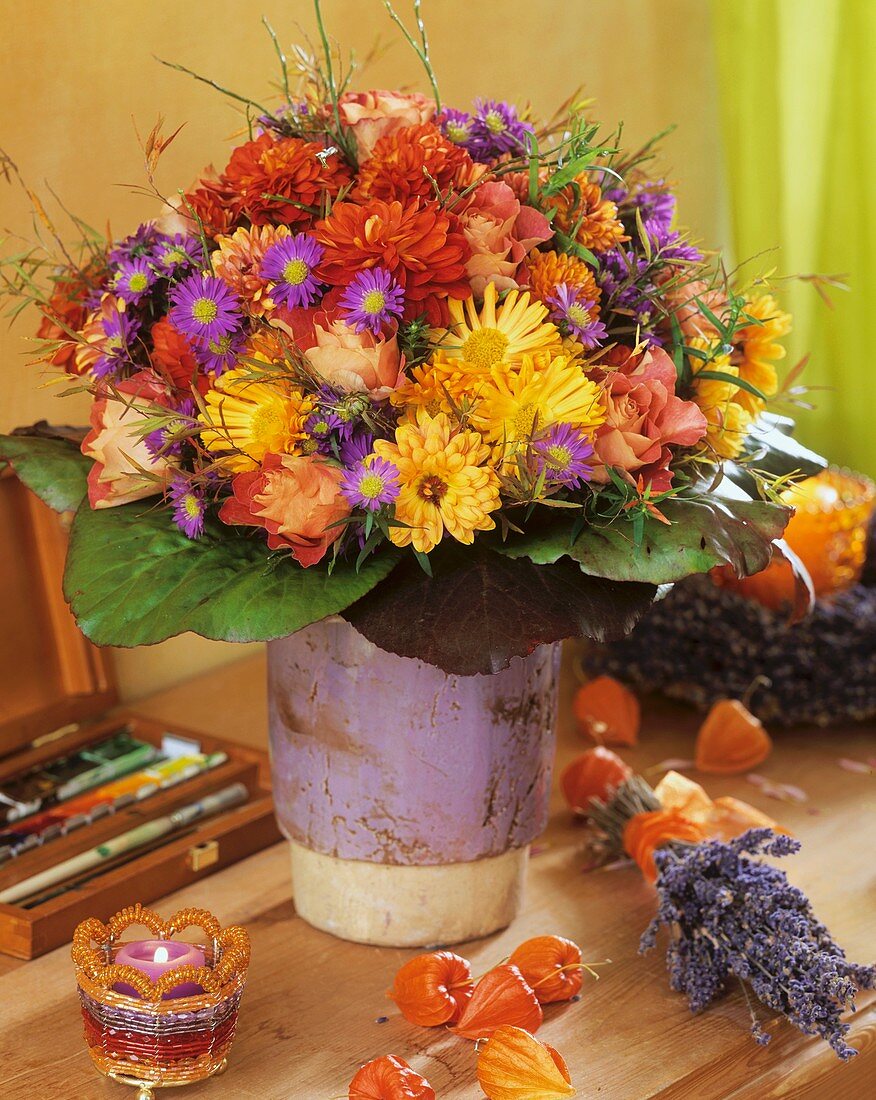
(416, 392)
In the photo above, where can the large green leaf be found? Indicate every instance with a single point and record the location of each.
(53, 467)
(133, 579)
(703, 533)
(480, 609)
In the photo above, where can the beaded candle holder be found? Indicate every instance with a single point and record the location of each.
(143, 1037)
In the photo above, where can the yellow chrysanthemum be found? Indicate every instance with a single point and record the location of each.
(446, 484)
(548, 269)
(519, 326)
(248, 418)
(443, 385)
(534, 394)
(758, 348)
(728, 419)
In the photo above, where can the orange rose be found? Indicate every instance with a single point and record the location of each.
(643, 417)
(295, 499)
(355, 362)
(116, 445)
(501, 232)
(683, 302)
(370, 115)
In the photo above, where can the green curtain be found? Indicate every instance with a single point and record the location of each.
(797, 82)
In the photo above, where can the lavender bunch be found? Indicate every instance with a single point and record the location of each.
(731, 915)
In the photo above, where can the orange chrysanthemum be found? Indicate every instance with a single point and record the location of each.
(421, 245)
(592, 220)
(238, 260)
(548, 269)
(174, 360)
(404, 164)
(66, 313)
(216, 206)
(285, 167)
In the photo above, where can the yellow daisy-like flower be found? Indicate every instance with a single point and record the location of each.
(247, 418)
(720, 401)
(519, 326)
(443, 385)
(446, 484)
(758, 348)
(539, 391)
(548, 269)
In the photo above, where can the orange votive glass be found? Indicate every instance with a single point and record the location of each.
(828, 532)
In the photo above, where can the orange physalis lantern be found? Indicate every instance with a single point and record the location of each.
(432, 989)
(502, 996)
(389, 1078)
(607, 712)
(731, 740)
(646, 831)
(514, 1065)
(596, 773)
(551, 965)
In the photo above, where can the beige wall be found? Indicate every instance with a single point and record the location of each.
(77, 76)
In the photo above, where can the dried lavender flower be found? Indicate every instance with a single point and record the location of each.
(734, 916)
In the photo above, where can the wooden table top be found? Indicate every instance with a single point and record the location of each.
(313, 1004)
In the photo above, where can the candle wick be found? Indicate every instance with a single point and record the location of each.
(161, 955)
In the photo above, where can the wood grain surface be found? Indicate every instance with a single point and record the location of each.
(313, 1005)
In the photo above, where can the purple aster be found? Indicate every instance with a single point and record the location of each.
(216, 356)
(574, 311)
(356, 446)
(563, 451)
(120, 331)
(169, 439)
(138, 244)
(670, 244)
(372, 299)
(320, 426)
(133, 280)
(456, 126)
(204, 307)
(371, 483)
(496, 130)
(173, 254)
(289, 265)
(189, 506)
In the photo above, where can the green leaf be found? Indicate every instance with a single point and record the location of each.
(705, 532)
(720, 376)
(133, 579)
(53, 468)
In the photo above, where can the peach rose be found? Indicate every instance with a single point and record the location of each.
(643, 417)
(116, 446)
(683, 302)
(355, 362)
(501, 232)
(295, 499)
(370, 115)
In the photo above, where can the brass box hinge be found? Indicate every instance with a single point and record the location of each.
(203, 855)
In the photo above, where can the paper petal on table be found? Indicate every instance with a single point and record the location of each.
(514, 1065)
(502, 996)
(783, 792)
(432, 989)
(863, 767)
(389, 1078)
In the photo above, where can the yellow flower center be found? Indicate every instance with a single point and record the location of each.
(192, 506)
(495, 122)
(220, 346)
(174, 256)
(266, 423)
(484, 347)
(204, 310)
(138, 281)
(432, 488)
(458, 134)
(558, 457)
(374, 302)
(524, 421)
(371, 486)
(295, 272)
(578, 315)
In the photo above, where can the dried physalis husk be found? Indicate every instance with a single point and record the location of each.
(432, 989)
(514, 1065)
(731, 740)
(596, 773)
(607, 712)
(551, 965)
(389, 1078)
(646, 832)
(502, 996)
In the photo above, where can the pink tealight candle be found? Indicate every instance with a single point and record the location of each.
(156, 957)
